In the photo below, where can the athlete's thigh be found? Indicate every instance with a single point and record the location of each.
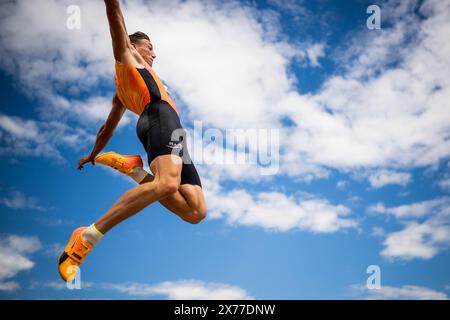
(167, 167)
(194, 196)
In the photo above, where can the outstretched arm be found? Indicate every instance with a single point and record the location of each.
(106, 131)
(120, 41)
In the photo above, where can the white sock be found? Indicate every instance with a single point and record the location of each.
(138, 174)
(91, 234)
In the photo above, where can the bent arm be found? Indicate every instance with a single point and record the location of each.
(107, 129)
(120, 41)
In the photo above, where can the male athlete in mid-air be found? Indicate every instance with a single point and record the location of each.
(175, 182)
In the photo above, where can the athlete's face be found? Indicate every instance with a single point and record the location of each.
(145, 49)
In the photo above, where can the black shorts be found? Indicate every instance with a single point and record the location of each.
(160, 131)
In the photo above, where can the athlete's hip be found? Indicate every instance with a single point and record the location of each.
(158, 116)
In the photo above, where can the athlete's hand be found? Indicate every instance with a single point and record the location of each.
(89, 158)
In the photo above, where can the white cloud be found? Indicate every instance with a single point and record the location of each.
(275, 211)
(408, 292)
(341, 184)
(20, 201)
(59, 285)
(410, 243)
(414, 210)
(403, 193)
(9, 286)
(378, 232)
(183, 290)
(173, 290)
(96, 109)
(299, 17)
(445, 184)
(354, 200)
(25, 137)
(292, 7)
(315, 52)
(426, 229)
(25, 129)
(377, 208)
(381, 178)
(422, 241)
(52, 219)
(387, 108)
(14, 252)
(53, 250)
(54, 285)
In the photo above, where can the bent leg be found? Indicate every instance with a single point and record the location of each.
(193, 194)
(166, 182)
(188, 202)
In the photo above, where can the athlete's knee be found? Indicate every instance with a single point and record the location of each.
(168, 187)
(162, 188)
(197, 216)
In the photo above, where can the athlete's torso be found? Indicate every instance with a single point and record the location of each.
(136, 87)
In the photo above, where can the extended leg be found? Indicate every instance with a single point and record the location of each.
(165, 183)
(188, 202)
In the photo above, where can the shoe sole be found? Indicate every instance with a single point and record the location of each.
(71, 241)
(127, 168)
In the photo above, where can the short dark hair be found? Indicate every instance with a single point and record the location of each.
(138, 35)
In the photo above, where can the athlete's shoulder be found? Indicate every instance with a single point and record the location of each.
(130, 60)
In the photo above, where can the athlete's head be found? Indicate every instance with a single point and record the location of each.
(143, 45)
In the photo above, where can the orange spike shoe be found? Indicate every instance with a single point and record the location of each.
(124, 164)
(73, 255)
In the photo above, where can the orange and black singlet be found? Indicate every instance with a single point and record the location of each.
(137, 87)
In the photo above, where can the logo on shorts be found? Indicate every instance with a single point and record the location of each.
(175, 145)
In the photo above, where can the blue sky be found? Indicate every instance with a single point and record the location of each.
(363, 177)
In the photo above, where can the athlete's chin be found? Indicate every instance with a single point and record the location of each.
(150, 62)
